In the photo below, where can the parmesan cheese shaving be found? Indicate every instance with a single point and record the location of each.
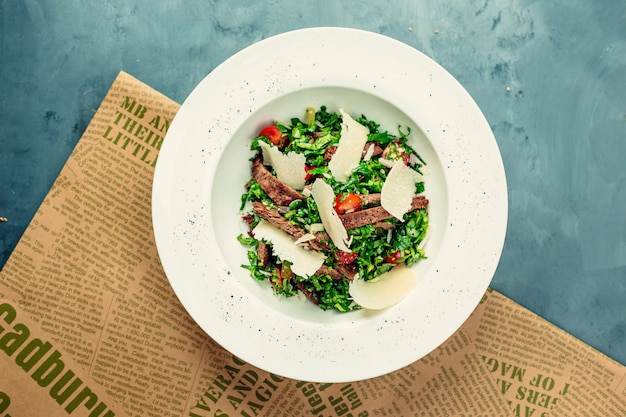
(324, 197)
(399, 189)
(316, 227)
(304, 262)
(304, 238)
(350, 147)
(385, 290)
(289, 167)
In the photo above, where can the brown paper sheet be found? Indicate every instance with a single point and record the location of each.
(86, 279)
(540, 369)
(39, 378)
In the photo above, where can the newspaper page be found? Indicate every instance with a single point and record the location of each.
(540, 369)
(87, 273)
(450, 381)
(43, 380)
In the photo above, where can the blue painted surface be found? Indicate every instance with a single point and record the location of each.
(550, 76)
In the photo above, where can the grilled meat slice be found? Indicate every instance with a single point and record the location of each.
(376, 214)
(276, 219)
(278, 191)
(318, 244)
(263, 252)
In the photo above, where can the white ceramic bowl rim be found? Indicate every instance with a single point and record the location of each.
(203, 164)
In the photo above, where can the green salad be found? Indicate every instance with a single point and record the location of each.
(377, 240)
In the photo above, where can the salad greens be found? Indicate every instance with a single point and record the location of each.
(376, 248)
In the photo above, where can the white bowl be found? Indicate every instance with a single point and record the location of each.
(204, 164)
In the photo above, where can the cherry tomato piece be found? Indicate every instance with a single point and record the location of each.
(347, 203)
(272, 133)
(394, 257)
(346, 258)
(308, 176)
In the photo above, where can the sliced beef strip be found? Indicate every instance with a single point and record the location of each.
(334, 273)
(276, 219)
(330, 151)
(318, 244)
(263, 252)
(370, 199)
(384, 225)
(278, 191)
(313, 297)
(376, 214)
(378, 150)
(348, 271)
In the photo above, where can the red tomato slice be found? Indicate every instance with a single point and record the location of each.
(272, 133)
(308, 176)
(347, 203)
(346, 257)
(394, 257)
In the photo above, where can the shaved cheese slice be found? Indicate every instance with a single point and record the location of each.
(369, 152)
(304, 262)
(324, 198)
(350, 148)
(289, 167)
(316, 227)
(304, 238)
(385, 290)
(399, 189)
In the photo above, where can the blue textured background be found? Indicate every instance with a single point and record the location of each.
(550, 77)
